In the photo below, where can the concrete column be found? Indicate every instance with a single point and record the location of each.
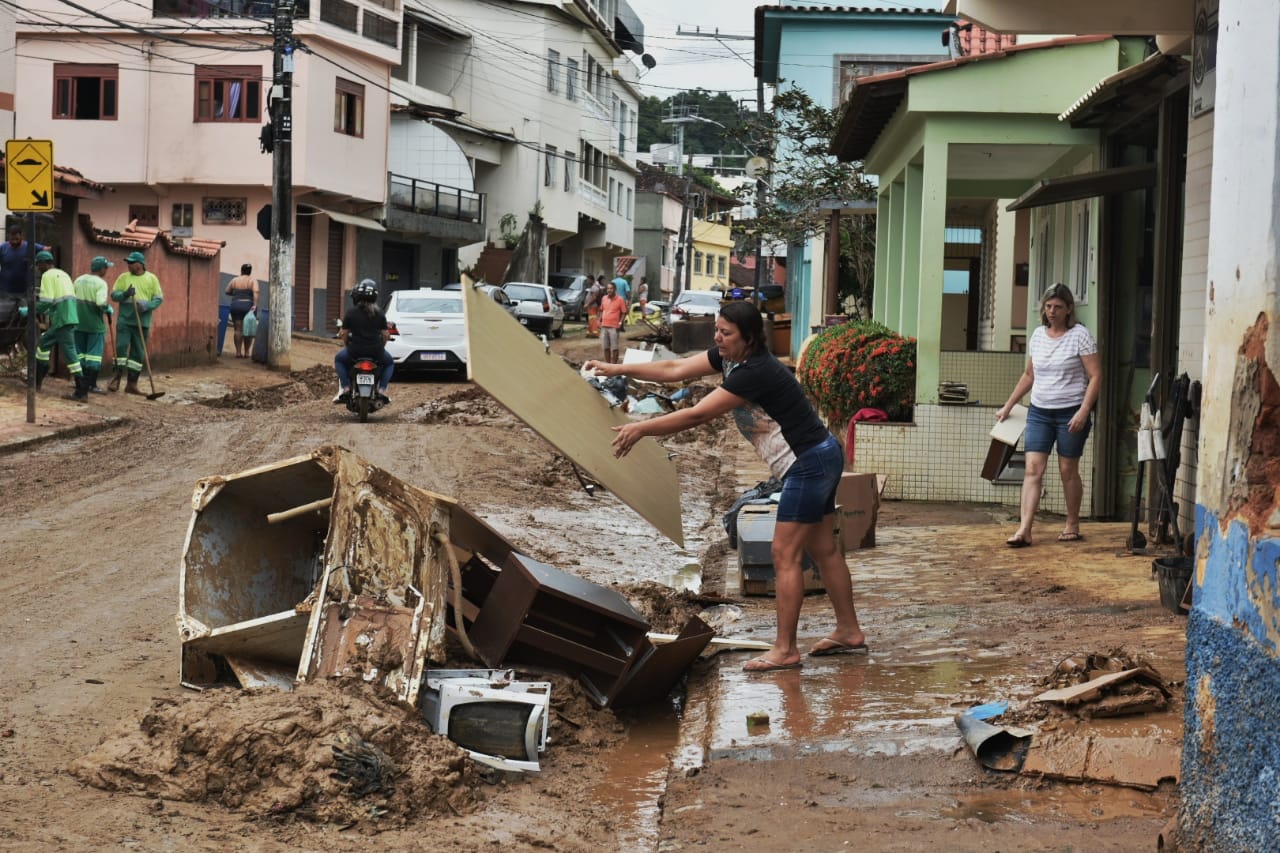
(908, 317)
(1231, 750)
(933, 222)
(1005, 274)
(883, 218)
(890, 312)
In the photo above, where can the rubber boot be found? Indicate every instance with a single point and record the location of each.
(132, 386)
(42, 370)
(91, 381)
(114, 384)
(81, 394)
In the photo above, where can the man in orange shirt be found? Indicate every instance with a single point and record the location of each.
(612, 309)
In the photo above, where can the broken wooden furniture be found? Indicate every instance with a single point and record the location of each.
(318, 566)
(756, 525)
(532, 613)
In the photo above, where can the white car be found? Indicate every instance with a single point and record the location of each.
(696, 303)
(430, 332)
(537, 307)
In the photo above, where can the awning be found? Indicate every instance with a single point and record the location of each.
(1128, 91)
(349, 219)
(1089, 185)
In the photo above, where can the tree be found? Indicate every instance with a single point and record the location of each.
(700, 137)
(796, 137)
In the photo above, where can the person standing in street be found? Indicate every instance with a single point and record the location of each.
(138, 294)
(772, 412)
(624, 290)
(15, 259)
(243, 290)
(592, 302)
(612, 309)
(1064, 376)
(57, 301)
(92, 309)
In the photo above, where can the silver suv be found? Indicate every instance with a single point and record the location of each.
(537, 307)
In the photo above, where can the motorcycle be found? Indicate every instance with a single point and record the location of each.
(363, 397)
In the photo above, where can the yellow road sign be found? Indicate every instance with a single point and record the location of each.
(28, 167)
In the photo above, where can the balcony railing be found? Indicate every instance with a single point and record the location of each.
(432, 199)
(261, 9)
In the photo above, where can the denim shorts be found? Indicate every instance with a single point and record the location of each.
(809, 488)
(1046, 427)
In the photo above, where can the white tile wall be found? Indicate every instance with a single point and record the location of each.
(423, 151)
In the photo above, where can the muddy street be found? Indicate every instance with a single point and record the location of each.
(858, 751)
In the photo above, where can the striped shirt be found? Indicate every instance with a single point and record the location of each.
(1060, 379)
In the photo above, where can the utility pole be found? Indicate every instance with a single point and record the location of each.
(760, 202)
(281, 283)
(680, 116)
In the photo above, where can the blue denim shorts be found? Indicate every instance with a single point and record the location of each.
(1046, 427)
(809, 489)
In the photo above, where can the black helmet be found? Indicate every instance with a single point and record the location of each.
(366, 291)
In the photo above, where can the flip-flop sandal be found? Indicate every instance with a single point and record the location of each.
(769, 666)
(1017, 542)
(838, 648)
(1069, 537)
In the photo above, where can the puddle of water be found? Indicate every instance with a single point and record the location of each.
(1068, 803)
(636, 779)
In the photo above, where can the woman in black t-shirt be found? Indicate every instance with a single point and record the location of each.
(773, 413)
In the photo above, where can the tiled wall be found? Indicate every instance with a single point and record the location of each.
(939, 458)
(989, 375)
(420, 150)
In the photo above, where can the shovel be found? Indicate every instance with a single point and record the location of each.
(146, 359)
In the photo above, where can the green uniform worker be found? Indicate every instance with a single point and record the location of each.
(57, 301)
(138, 293)
(91, 308)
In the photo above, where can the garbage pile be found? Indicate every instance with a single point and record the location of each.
(324, 567)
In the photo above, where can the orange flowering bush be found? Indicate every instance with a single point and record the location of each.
(860, 365)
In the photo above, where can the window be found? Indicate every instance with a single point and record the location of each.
(82, 91)
(229, 93)
(222, 211)
(589, 62)
(571, 79)
(348, 108)
(147, 215)
(549, 170)
(697, 263)
(380, 29)
(622, 128)
(612, 185)
(1082, 254)
(553, 71)
(568, 172)
(630, 197)
(720, 266)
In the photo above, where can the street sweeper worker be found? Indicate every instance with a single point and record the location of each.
(138, 294)
(57, 301)
(91, 309)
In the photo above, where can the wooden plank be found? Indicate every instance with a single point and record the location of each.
(277, 638)
(540, 389)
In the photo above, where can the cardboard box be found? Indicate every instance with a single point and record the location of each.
(858, 507)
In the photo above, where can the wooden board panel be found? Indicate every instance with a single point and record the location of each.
(277, 638)
(543, 391)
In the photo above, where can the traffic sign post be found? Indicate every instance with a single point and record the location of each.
(28, 167)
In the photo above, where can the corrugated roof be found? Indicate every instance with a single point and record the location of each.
(876, 98)
(1134, 80)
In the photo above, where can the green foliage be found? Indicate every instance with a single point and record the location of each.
(699, 137)
(860, 365)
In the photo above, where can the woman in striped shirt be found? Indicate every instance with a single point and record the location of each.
(1064, 376)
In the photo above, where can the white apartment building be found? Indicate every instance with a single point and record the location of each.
(541, 99)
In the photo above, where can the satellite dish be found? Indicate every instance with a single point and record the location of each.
(648, 61)
(757, 166)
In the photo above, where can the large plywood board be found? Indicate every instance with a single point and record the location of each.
(542, 390)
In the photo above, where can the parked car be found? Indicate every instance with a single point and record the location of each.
(695, 303)
(537, 307)
(498, 295)
(430, 332)
(571, 290)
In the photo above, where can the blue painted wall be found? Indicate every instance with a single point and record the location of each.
(1231, 749)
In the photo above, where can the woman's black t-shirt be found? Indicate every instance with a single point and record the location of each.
(364, 332)
(780, 417)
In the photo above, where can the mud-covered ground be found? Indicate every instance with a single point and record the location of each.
(100, 746)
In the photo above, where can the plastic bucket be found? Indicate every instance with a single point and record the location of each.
(1173, 574)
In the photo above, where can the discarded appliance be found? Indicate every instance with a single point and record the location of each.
(1130, 691)
(995, 748)
(755, 527)
(501, 722)
(319, 566)
(532, 613)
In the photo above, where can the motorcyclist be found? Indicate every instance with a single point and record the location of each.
(365, 333)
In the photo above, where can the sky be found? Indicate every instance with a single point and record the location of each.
(689, 63)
